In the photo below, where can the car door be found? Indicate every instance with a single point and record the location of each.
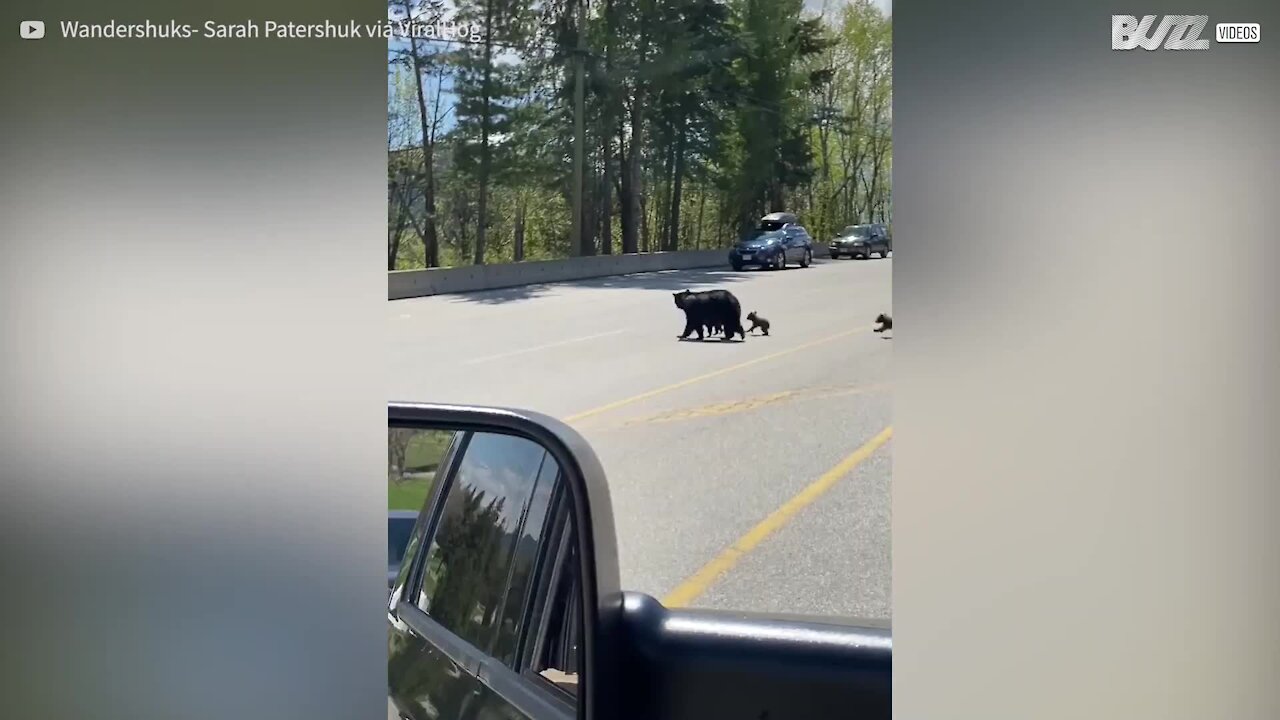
(459, 611)
(803, 243)
(794, 243)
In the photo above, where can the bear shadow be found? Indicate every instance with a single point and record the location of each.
(711, 341)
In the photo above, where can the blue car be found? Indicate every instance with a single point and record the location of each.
(778, 241)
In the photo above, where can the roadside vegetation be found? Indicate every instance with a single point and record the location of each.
(685, 120)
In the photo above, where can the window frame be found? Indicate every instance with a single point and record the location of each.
(425, 528)
(439, 498)
(533, 699)
(523, 611)
(535, 636)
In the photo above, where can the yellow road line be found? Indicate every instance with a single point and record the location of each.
(752, 403)
(716, 373)
(699, 582)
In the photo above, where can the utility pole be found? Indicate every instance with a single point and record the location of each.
(577, 239)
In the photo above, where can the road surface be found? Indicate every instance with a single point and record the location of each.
(751, 475)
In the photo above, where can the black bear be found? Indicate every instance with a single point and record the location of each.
(757, 322)
(886, 322)
(711, 308)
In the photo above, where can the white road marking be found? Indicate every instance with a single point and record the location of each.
(536, 348)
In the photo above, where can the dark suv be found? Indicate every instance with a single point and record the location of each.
(774, 243)
(862, 241)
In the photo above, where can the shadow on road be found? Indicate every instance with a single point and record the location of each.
(711, 340)
(670, 280)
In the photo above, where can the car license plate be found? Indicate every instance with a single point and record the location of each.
(747, 256)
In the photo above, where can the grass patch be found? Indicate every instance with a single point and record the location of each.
(411, 494)
(426, 448)
(420, 453)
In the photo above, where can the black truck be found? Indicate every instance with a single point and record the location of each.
(507, 603)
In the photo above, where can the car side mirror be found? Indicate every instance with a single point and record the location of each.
(511, 579)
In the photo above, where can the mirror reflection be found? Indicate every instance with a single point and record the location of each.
(490, 562)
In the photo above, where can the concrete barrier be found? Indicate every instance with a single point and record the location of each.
(439, 281)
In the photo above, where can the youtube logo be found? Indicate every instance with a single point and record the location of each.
(31, 29)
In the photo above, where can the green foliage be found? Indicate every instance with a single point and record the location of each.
(412, 459)
(742, 107)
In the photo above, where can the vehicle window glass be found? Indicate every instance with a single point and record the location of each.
(413, 458)
(556, 652)
(534, 532)
(466, 568)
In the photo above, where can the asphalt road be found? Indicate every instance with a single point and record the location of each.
(751, 475)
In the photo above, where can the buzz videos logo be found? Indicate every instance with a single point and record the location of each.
(1175, 32)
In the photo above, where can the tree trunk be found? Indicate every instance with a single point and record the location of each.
(606, 194)
(635, 191)
(393, 241)
(518, 241)
(590, 214)
(626, 209)
(430, 240)
(482, 208)
(606, 150)
(463, 241)
(825, 220)
(678, 187)
(643, 201)
(663, 211)
(777, 200)
(877, 157)
(702, 205)
(397, 450)
(581, 235)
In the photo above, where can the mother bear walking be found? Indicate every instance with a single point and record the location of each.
(710, 308)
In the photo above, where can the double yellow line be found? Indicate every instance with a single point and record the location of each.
(713, 374)
(701, 581)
